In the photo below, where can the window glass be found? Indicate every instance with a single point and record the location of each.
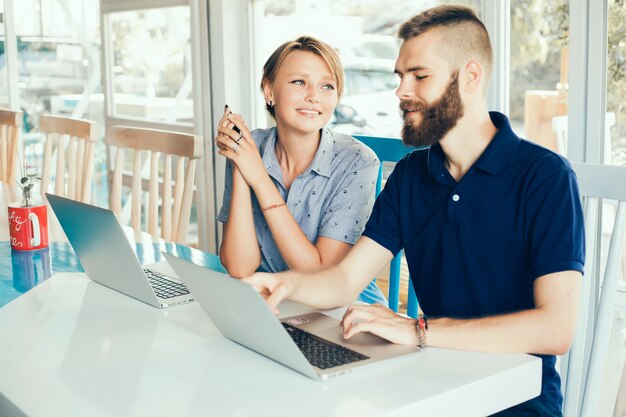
(58, 54)
(614, 145)
(4, 87)
(152, 64)
(539, 73)
(616, 85)
(27, 17)
(68, 18)
(363, 32)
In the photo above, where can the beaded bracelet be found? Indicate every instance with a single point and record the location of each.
(422, 327)
(273, 206)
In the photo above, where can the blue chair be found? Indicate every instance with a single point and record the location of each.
(392, 150)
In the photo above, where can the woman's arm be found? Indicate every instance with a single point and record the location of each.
(249, 173)
(294, 246)
(348, 209)
(239, 251)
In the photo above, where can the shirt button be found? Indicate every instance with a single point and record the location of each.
(456, 197)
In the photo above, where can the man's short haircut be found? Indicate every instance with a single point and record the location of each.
(303, 43)
(464, 37)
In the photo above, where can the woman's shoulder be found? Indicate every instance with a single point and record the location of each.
(261, 136)
(345, 146)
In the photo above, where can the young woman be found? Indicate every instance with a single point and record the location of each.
(298, 195)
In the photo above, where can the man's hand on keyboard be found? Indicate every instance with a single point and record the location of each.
(380, 321)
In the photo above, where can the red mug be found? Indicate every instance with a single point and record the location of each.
(28, 227)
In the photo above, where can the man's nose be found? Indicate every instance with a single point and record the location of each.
(405, 89)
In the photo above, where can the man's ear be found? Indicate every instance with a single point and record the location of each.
(471, 79)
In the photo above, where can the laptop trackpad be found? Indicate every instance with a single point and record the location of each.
(335, 334)
(329, 328)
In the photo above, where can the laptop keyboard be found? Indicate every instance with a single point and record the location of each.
(164, 287)
(320, 352)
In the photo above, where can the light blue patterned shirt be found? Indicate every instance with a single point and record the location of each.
(333, 197)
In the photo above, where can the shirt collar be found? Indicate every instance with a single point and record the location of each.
(436, 161)
(268, 155)
(496, 157)
(321, 160)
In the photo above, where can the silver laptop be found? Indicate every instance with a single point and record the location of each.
(311, 343)
(108, 257)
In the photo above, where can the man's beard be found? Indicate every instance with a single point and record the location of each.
(438, 118)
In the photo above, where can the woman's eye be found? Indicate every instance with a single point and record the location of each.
(298, 82)
(328, 87)
(421, 77)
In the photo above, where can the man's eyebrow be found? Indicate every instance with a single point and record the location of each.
(411, 69)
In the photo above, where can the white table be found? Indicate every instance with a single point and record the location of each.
(71, 347)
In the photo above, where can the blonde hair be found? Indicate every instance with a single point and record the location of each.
(303, 43)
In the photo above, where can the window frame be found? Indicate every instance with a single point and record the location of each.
(200, 63)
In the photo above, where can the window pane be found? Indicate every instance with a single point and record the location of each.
(27, 15)
(364, 34)
(616, 84)
(152, 64)
(538, 96)
(614, 144)
(59, 71)
(69, 18)
(4, 86)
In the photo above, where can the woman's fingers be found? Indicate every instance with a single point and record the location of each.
(238, 121)
(226, 134)
(224, 122)
(225, 142)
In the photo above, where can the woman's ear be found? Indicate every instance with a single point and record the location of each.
(267, 93)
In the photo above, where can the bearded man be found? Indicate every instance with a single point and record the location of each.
(491, 225)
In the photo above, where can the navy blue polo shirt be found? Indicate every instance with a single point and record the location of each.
(475, 247)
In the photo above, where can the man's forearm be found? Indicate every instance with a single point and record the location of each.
(326, 288)
(546, 329)
(521, 332)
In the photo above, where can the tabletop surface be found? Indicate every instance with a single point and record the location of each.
(78, 348)
(20, 271)
(73, 347)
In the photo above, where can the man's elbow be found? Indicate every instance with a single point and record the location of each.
(560, 347)
(558, 342)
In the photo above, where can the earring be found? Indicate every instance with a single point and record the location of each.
(270, 104)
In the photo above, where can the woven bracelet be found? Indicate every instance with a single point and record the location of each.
(273, 206)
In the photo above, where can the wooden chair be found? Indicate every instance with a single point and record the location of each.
(176, 203)
(10, 124)
(73, 141)
(392, 150)
(582, 369)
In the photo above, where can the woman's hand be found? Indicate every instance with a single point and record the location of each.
(224, 122)
(240, 147)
